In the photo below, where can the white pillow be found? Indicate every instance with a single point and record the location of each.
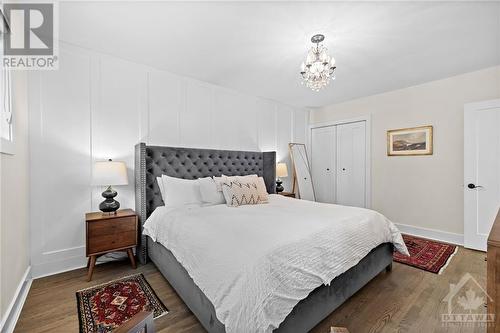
(180, 192)
(242, 193)
(209, 193)
(160, 185)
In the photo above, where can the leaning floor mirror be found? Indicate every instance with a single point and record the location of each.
(301, 171)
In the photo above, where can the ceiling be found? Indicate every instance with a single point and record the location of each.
(257, 47)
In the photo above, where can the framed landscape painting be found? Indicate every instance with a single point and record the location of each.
(410, 141)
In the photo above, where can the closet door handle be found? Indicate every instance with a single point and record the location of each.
(327, 169)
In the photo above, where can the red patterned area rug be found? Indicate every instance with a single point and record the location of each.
(426, 254)
(104, 307)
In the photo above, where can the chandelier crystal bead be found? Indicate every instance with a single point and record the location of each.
(319, 67)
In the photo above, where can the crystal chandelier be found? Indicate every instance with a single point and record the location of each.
(319, 67)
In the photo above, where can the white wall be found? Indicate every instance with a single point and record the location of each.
(14, 204)
(420, 191)
(97, 107)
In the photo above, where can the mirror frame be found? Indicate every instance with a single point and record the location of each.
(290, 145)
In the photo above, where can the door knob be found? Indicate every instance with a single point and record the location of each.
(327, 169)
(473, 186)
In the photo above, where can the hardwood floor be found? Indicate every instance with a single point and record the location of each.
(404, 300)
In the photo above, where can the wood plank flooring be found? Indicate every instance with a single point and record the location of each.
(404, 300)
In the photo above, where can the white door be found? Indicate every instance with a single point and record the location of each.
(481, 171)
(323, 163)
(351, 164)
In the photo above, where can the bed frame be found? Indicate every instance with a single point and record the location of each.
(190, 163)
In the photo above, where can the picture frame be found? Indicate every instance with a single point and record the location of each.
(410, 141)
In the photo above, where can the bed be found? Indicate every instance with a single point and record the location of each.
(301, 313)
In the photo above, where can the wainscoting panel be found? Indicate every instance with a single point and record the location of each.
(248, 134)
(196, 117)
(60, 158)
(300, 125)
(267, 124)
(117, 120)
(284, 137)
(97, 107)
(166, 100)
(234, 121)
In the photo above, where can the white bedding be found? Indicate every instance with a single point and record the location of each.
(256, 262)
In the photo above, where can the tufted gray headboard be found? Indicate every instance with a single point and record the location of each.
(191, 163)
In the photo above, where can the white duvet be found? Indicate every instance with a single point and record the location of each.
(256, 262)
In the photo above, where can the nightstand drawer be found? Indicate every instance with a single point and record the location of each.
(103, 243)
(112, 227)
(109, 233)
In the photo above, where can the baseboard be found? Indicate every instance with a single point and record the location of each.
(442, 236)
(59, 261)
(60, 266)
(56, 267)
(16, 305)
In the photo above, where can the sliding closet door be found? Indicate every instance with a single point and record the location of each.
(323, 163)
(351, 164)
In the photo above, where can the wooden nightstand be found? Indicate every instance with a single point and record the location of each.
(110, 233)
(287, 194)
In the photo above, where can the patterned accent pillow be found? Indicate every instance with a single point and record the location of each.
(239, 193)
(226, 179)
(218, 182)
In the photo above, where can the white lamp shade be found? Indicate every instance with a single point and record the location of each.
(109, 173)
(281, 170)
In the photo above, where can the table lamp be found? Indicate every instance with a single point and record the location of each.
(281, 171)
(107, 173)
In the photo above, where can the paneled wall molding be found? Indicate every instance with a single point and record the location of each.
(97, 107)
